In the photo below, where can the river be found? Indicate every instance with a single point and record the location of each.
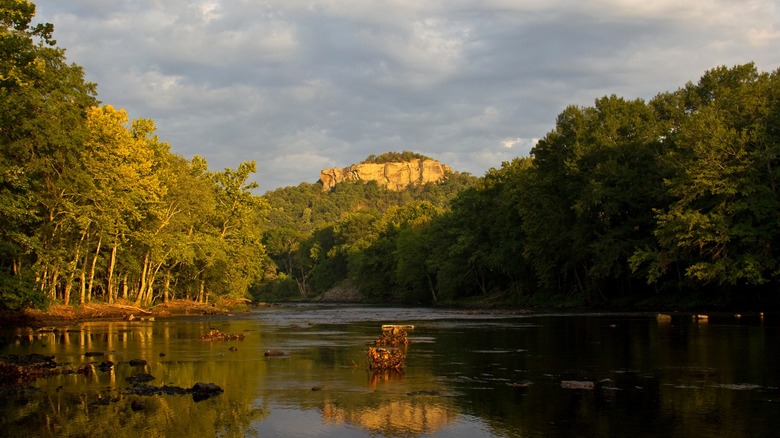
(467, 374)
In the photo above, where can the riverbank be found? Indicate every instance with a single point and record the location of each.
(59, 314)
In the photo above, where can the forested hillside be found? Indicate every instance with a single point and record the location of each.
(310, 230)
(669, 202)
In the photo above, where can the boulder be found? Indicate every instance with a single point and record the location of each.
(202, 391)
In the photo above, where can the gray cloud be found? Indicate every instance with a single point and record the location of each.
(303, 85)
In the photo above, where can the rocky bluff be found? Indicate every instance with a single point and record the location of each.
(393, 175)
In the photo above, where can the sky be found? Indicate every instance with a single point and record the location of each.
(303, 85)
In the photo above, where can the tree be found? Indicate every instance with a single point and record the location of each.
(589, 198)
(43, 102)
(236, 256)
(722, 226)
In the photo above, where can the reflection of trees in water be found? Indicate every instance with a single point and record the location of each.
(110, 413)
(415, 416)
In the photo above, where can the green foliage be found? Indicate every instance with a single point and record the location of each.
(18, 292)
(589, 199)
(624, 201)
(318, 239)
(94, 205)
(394, 157)
(721, 227)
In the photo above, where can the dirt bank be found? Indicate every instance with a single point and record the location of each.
(62, 314)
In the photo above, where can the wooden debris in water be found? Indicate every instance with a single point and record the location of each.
(216, 335)
(393, 336)
(394, 326)
(382, 359)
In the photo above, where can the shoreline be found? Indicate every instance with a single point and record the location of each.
(60, 314)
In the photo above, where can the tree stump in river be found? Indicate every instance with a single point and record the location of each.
(382, 359)
(393, 336)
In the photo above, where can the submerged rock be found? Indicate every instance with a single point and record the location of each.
(216, 335)
(577, 384)
(202, 391)
(140, 378)
(15, 368)
(150, 390)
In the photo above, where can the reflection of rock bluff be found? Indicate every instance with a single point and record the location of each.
(398, 418)
(394, 176)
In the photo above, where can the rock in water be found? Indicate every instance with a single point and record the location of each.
(202, 391)
(576, 384)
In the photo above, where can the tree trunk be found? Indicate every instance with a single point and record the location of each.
(53, 286)
(166, 286)
(111, 264)
(66, 290)
(200, 291)
(430, 286)
(142, 283)
(151, 276)
(92, 271)
(83, 282)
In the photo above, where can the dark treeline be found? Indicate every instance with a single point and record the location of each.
(671, 202)
(93, 206)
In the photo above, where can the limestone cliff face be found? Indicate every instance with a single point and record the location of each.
(395, 176)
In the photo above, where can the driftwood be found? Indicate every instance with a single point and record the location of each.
(382, 359)
(393, 335)
(394, 326)
(133, 308)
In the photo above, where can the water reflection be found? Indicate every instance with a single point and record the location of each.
(397, 418)
(466, 375)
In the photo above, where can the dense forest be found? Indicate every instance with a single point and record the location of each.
(670, 202)
(666, 203)
(94, 206)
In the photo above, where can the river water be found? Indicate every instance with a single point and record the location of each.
(467, 374)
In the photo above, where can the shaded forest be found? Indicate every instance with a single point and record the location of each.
(670, 202)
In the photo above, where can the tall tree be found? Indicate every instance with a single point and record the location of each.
(43, 102)
(589, 200)
(722, 227)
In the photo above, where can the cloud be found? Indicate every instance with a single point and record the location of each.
(300, 85)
